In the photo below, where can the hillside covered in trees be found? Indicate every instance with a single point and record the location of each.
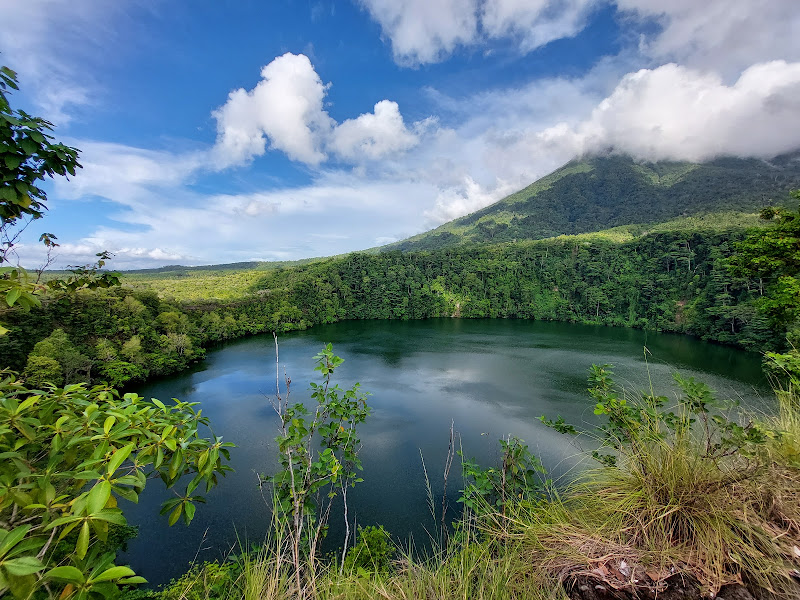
(664, 265)
(601, 192)
(671, 280)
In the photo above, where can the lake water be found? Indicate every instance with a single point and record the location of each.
(490, 377)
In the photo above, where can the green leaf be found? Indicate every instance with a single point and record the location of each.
(128, 494)
(83, 541)
(13, 295)
(118, 458)
(25, 565)
(13, 161)
(132, 580)
(176, 514)
(12, 538)
(66, 573)
(189, 509)
(113, 573)
(111, 515)
(98, 497)
(194, 483)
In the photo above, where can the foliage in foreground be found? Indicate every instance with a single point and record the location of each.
(685, 494)
(318, 453)
(69, 455)
(686, 487)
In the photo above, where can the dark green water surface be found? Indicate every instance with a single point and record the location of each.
(491, 377)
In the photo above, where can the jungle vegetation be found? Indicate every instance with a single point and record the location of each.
(677, 279)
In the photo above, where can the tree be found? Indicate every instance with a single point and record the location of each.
(73, 365)
(28, 155)
(70, 454)
(773, 256)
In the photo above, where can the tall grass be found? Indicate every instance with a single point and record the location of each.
(671, 507)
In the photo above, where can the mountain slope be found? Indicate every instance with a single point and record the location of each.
(609, 191)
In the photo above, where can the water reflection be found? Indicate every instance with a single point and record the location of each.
(491, 377)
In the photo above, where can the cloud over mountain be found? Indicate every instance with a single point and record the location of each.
(674, 112)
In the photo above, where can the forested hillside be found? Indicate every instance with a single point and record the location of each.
(602, 192)
(670, 275)
(671, 280)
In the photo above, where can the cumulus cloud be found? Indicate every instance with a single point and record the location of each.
(508, 138)
(722, 35)
(674, 112)
(86, 250)
(468, 197)
(373, 135)
(425, 31)
(286, 108)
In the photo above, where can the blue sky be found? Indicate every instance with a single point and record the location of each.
(222, 131)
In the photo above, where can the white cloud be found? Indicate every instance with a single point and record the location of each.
(54, 44)
(506, 139)
(373, 135)
(722, 35)
(425, 31)
(535, 23)
(726, 36)
(123, 173)
(673, 112)
(163, 222)
(285, 106)
(463, 199)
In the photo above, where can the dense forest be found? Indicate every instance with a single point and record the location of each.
(668, 280)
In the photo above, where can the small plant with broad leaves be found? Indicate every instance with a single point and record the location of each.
(518, 478)
(372, 553)
(69, 455)
(318, 453)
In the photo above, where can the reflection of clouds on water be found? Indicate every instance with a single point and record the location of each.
(384, 442)
(492, 378)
